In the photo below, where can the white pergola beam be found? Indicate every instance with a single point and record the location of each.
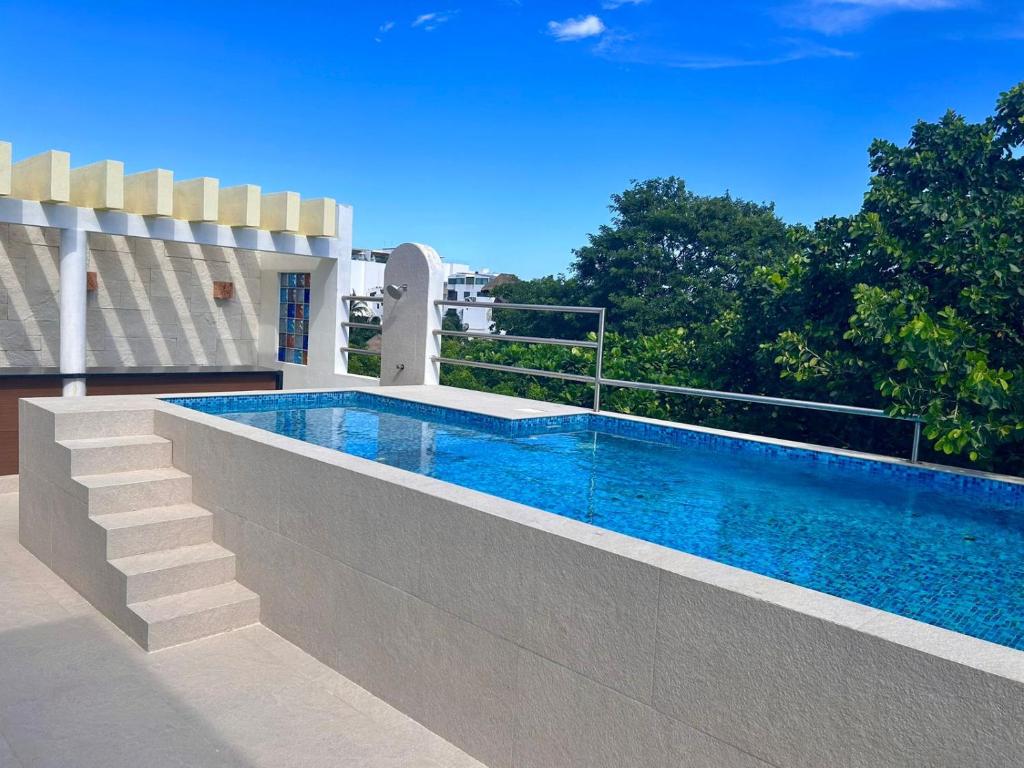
(5, 167)
(196, 199)
(100, 185)
(281, 212)
(318, 218)
(150, 193)
(45, 177)
(37, 214)
(240, 206)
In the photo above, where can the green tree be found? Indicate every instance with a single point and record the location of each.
(672, 258)
(935, 273)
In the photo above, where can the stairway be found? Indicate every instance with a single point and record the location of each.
(174, 583)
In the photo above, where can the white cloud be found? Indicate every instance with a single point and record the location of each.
(835, 17)
(611, 5)
(431, 21)
(625, 49)
(382, 30)
(576, 29)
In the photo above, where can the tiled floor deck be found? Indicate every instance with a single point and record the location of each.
(75, 691)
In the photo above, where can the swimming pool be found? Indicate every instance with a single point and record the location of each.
(940, 547)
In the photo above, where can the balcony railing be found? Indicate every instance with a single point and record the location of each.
(349, 350)
(597, 380)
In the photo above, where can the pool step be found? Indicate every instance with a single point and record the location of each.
(125, 453)
(155, 528)
(170, 571)
(135, 489)
(177, 584)
(99, 423)
(188, 616)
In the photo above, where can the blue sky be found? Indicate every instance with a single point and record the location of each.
(495, 130)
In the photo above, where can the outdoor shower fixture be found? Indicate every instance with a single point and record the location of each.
(396, 291)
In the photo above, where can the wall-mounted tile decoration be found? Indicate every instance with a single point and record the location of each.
(223, 291)
(293, 321)
(92, 282)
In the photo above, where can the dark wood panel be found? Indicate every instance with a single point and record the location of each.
(12, 388)
(8, 452)
(180, 382)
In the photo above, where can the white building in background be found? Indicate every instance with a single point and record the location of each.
(461, 284)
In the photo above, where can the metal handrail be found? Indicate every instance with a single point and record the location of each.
(598, 380)
(811, 405)
(515, 369)
(595, 345)
(521, 339)
(352, 324)
(366, 326)
(354, 351)
(528, 307)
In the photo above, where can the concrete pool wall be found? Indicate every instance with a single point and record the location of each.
(532, 640)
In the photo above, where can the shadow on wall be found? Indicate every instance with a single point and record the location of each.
(154, 304)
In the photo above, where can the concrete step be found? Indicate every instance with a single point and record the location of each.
(172, 571)
(114, 492)
(85, 424)
(180, 618)
(94, 455)
(155, 529)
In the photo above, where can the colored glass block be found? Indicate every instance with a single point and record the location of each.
(294, 295)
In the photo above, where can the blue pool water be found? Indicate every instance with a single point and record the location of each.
(943, 548)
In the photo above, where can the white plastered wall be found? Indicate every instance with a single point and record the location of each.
(331, 279)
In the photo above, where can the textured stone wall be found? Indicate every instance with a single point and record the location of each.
(29, 328)
(154, 303)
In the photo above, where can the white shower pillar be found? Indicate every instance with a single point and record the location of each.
(408, 344)
(74, 251)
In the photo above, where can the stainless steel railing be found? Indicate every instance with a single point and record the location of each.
(598, 345)
(598, 380)
(349, 350)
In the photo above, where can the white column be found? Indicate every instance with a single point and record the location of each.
(73, 258)
(409, 343)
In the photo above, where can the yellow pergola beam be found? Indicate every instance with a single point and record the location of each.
(318, 217)
(197, 199)
(240, 206)
(5, 167)
(45, 177)
(150, 193)
(100, 185)
(280, 212)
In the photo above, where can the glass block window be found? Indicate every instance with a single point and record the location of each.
(293, 321)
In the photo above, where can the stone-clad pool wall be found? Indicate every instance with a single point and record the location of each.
(535, 641)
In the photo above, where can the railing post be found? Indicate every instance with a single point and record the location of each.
(598, 362)
(916, 450)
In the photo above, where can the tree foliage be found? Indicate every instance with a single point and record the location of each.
(915, 304)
